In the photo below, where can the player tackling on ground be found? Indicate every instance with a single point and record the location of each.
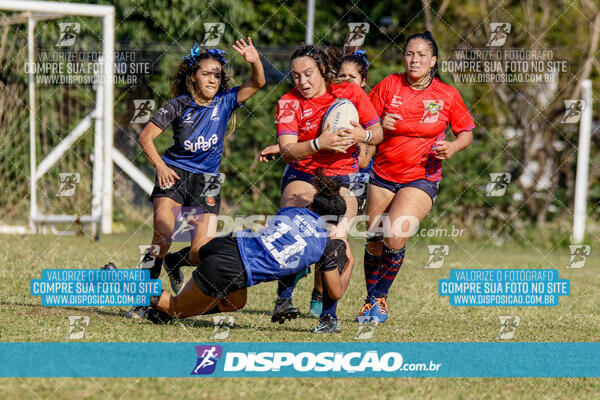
(294, 239)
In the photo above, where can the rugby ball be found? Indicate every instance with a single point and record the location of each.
(339, 115)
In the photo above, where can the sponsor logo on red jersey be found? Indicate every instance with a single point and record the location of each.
(287, 111)
(431, 112)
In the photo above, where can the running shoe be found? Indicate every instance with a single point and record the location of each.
(284, 310)
(327, 324)
(379, 311)
(365, 311)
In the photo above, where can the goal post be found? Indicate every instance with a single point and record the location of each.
(583, 160)
(101, 118)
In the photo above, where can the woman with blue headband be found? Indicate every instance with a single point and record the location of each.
(187, 175)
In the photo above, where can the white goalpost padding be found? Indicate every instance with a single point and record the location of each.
(103, 116)
(583, 160)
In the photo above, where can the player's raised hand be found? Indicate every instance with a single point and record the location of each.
(247, 50)
(389, 121)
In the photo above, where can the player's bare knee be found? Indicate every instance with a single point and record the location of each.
(162, 238)
(163, 248)
(166, 302)
(194, 257)
(374, 248)
(395, 243)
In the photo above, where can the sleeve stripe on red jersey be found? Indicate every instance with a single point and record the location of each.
(371, 122)
(287, 133)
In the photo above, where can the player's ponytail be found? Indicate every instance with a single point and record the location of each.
(428, 37)
(327, 200)
(327, 60)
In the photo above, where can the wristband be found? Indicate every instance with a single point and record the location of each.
(315, 144)
(368, 136)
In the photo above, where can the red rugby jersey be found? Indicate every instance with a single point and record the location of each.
(304, 118)
(406, 153)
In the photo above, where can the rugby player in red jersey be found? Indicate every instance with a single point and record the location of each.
(353, 67)
(299, 124)
(415, 108)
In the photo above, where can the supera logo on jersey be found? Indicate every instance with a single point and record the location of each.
(201, 143)
(431, 112)
(208, 356)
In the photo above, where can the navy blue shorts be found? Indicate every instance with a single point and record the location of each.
(429, 187)
(291, 174)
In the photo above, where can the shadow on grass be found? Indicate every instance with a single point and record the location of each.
(185, 322)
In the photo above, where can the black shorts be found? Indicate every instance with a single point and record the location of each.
(193, 190)
(221, 270)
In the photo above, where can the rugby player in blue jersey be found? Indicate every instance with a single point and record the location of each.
(290, 242)
(188, 173)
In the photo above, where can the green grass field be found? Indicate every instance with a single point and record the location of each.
(417, 314)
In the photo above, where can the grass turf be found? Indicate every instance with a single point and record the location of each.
(417, 314)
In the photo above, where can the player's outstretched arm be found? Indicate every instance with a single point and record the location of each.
(251, 86)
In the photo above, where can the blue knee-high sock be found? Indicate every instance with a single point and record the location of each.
(329, 305)
(371, 263)
(285, 286)
(391, 261)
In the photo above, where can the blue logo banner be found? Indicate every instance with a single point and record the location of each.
(504, 287)
(300, 360)
(95, 287)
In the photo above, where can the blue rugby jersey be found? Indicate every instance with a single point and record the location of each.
(198, 131)
(293, 239)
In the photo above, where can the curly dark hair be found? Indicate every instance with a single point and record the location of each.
(327, 200)
(181, 82)
(326, 60)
